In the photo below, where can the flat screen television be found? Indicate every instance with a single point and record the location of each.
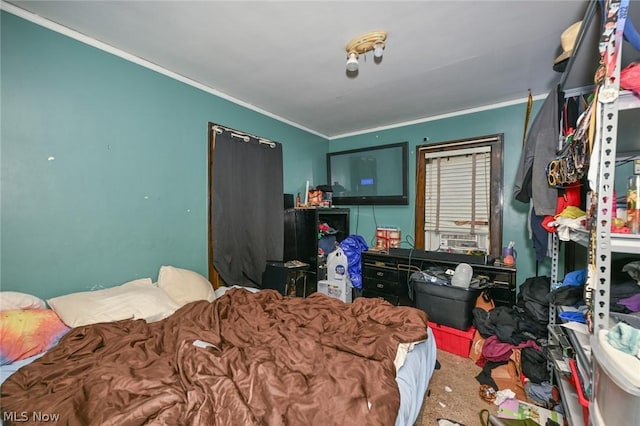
(368, 176)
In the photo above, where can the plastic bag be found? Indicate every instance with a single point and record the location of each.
(337, 266)
(353, 246)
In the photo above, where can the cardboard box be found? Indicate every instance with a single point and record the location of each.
(518, 409)
(476, 347)
(339, 289)
(506, 376)
(387, 238)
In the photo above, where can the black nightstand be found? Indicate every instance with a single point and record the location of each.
(288, 280)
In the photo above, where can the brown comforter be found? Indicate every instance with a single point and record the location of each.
(276, 361)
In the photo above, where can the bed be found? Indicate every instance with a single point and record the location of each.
(246, 357)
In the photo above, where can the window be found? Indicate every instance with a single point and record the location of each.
(459, 189)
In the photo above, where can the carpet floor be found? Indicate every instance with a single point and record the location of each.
(453, 393)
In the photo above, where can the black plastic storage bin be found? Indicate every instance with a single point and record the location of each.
(445, 304)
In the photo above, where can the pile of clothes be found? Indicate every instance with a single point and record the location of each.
(513, 337)
(625, 286)
(510, 340)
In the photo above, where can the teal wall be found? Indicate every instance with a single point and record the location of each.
(125, 190)
(507, 120)
(104, 165)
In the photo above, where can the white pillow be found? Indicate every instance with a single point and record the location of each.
(220, 291)
(138, 299)
(184, 286)
(16, 300)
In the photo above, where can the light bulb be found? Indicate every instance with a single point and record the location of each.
(377, 49)
(352, 62)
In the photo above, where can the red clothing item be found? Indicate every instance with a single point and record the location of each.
(571, 197)
(495, 350)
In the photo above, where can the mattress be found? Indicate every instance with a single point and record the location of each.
(413, 379)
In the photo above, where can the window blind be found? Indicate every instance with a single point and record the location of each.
(457, 191)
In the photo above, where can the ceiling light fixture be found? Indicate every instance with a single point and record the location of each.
(352, 62)
(377, 50)
(362, 44)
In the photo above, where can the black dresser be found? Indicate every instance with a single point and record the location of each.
(387, 275)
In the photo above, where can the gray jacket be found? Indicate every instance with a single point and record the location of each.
(540, 148)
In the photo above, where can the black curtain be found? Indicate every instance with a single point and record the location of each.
(246, 205)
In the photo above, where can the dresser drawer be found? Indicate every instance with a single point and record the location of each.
(380, 273)
(380, 286)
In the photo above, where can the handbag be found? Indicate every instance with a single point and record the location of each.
(485, 301)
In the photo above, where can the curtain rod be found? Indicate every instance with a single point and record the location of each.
(242, 135)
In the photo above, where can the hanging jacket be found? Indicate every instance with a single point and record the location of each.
(539, 149)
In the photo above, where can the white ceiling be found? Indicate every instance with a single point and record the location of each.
(287, 58)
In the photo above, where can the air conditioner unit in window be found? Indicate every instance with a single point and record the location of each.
(459, 242)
